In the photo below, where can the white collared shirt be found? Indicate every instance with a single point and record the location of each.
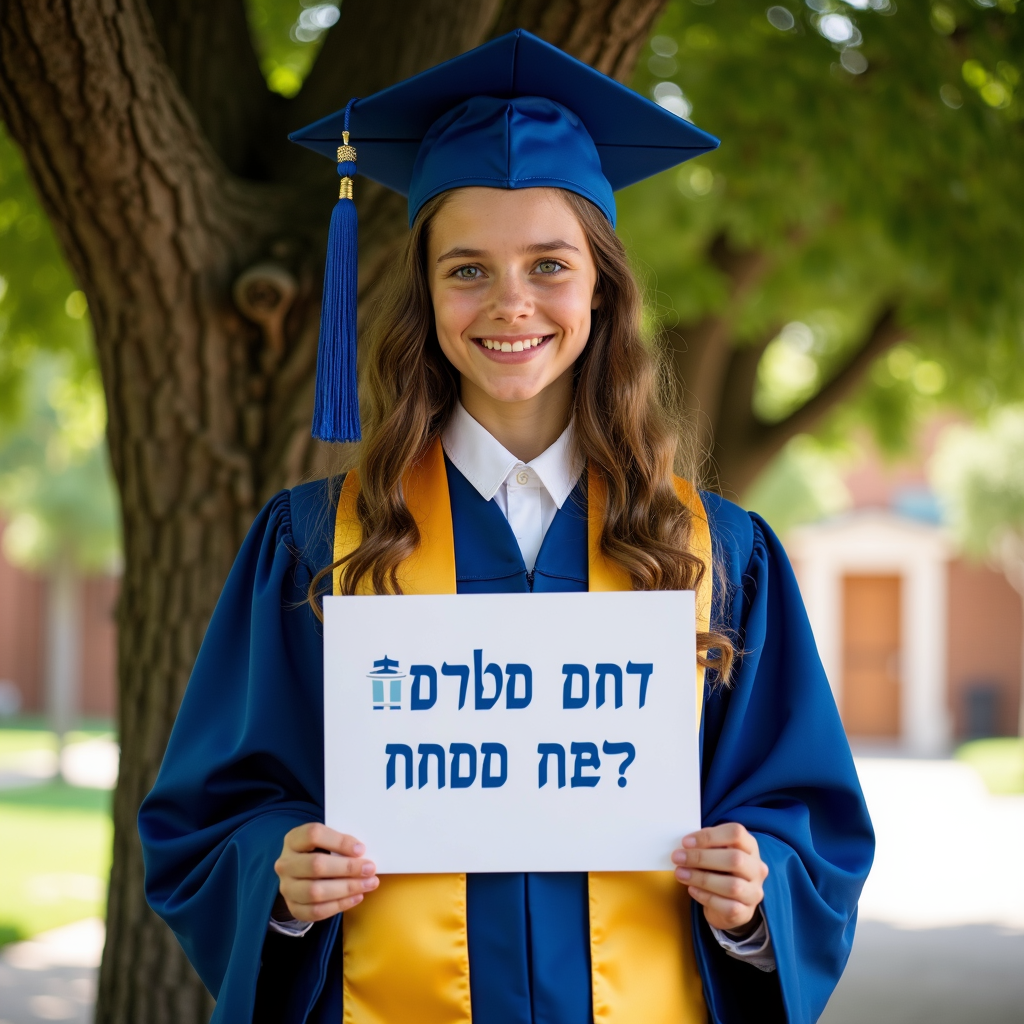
(528, 493)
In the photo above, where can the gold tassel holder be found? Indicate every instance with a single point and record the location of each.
(346, 154)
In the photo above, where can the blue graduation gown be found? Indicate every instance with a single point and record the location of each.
(241, 769)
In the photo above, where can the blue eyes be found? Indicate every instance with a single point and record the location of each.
(546, 268)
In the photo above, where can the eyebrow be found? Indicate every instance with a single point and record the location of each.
(556, 245)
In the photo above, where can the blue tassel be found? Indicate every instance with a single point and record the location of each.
(336, 408)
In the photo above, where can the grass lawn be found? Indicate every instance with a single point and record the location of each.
(1000, 762)
(55, 846)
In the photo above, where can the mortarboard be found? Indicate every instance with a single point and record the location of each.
(516, 112)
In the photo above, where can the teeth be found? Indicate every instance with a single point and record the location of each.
(510, 346)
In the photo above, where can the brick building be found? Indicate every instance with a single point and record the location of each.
(923, 648)
(23, 639)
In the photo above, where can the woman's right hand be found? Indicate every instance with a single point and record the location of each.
(323, 872)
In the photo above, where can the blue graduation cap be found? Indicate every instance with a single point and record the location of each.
(516, 112)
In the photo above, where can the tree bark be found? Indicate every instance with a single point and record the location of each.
(208, 48)
(197, 235)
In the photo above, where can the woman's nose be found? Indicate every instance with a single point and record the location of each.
(510, 299)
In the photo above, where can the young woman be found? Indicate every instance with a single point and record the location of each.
(515, 402)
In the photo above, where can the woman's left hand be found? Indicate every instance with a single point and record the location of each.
(723, 871)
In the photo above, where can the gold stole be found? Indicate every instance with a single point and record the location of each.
(405, 948)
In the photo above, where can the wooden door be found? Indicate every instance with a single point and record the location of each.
(871, 655)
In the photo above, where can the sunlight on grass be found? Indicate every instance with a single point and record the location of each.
(1000, 762)
(55, 842)
(17, 741)
(54, 858)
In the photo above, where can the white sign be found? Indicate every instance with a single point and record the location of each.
(512, 732)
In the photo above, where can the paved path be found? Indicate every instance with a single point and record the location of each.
(928, 951)
(972, 974)
(53, 976)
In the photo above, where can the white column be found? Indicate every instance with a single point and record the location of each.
(63, 648)
(926, 726)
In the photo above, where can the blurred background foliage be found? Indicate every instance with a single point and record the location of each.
(978, 471)
(875, 155)
(871, 150)
(56, 490)
(41, 309)
(287, 36)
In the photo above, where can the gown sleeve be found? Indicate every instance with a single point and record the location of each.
(775, 758)
(244, 764)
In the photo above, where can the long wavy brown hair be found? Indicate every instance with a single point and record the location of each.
(621, 426)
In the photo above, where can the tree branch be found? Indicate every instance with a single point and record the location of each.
(607, 34)
(87, 95)
(740, 382)
(353, 62)
(376, 44)
(884, 333)
(701, 351)
(209, 49)
(744, 445)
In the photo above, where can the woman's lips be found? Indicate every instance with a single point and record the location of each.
(512, 350)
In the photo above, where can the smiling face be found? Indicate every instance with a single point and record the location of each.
(512, 281)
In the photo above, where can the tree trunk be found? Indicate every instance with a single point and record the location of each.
(204, 290)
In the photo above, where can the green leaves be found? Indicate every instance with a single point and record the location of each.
(898, 180)
(37, 310)
(979, 473)
(871, 156)
(56, 490)
(287, 36)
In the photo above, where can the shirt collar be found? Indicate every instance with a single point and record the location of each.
(486, 463)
